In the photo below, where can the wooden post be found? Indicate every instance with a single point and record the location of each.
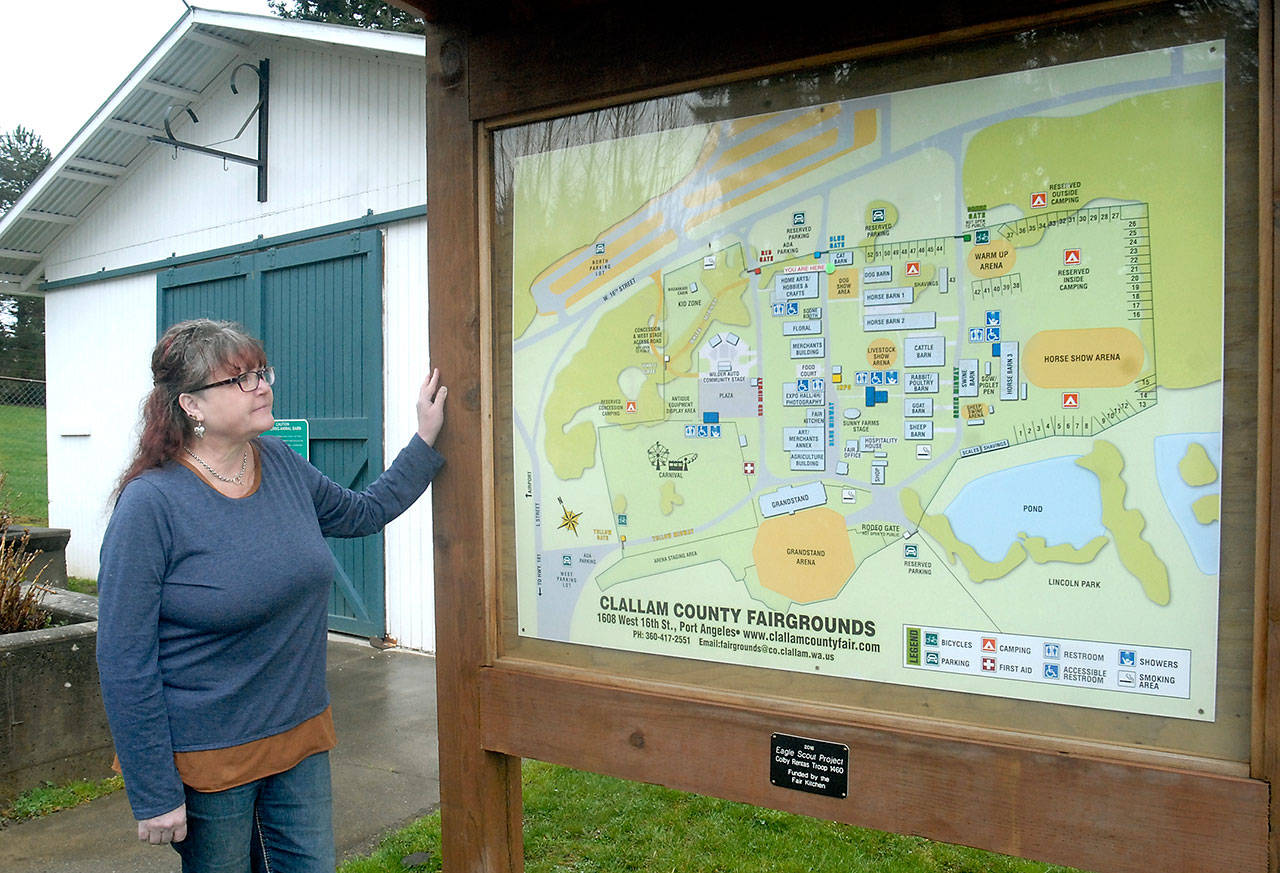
(1267, 608)
(479, 790)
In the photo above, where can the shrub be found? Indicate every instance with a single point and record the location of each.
(19, 602)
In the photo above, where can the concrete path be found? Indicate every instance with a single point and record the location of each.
(386, 773)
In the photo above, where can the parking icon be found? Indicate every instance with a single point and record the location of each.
(877, 215)
(931, 659)
(910, 550)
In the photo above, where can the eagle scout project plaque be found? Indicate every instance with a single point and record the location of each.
(814, 766)
(922, 388)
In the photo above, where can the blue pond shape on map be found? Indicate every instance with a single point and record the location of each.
(1055, 499)
(1202, 539)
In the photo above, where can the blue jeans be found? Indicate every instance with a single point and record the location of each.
(279, 824)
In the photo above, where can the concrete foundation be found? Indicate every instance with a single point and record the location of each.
(50, 564)
(52, 725)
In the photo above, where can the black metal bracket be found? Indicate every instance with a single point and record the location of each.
(263, 72)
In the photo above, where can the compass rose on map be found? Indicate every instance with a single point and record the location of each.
(570, 518)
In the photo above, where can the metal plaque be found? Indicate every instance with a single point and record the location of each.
(815, 766)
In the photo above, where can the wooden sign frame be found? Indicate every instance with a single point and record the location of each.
(1107, 807)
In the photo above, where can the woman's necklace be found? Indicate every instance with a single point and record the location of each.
(239, 477)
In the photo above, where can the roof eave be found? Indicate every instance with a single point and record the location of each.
(402, 44)
(411, 44)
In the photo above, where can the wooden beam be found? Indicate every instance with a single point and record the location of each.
(24, 287)
(613, 57)
(91, 178)
(1266, 699)
(1035, 804)
(479, 790)
(20, 255)
(131, 127)
(96, 166)
(214, 41)
(50, 217)
(169, 90)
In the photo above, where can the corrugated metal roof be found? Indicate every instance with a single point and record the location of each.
(195, 52)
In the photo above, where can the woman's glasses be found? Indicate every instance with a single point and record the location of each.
(246, 381)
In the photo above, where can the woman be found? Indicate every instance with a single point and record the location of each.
(214, 588)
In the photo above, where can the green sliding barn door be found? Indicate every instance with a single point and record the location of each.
(317, 307)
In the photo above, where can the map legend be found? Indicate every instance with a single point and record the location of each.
(1086, 664)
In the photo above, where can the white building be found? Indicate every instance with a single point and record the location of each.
(125, 235)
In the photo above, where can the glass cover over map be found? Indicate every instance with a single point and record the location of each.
(923, 387)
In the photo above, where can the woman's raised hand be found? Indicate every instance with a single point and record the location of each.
(431, 408)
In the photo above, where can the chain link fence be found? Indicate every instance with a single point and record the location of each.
(15, 391)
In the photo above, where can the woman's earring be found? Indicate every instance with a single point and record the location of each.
(198, 429)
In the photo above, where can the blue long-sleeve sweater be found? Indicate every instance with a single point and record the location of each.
(213, 611)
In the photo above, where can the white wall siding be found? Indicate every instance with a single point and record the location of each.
(408, 540)
(98, 350)
(346, 136)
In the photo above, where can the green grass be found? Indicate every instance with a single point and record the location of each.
(83, 586)
(23, 462)
(576, 822)
(51, 798)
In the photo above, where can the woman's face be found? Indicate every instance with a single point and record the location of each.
(227, 412)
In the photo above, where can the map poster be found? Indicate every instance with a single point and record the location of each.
(921, 388)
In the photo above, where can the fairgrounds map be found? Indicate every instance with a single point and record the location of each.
(921, 388)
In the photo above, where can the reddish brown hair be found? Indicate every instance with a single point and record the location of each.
(186, 357)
